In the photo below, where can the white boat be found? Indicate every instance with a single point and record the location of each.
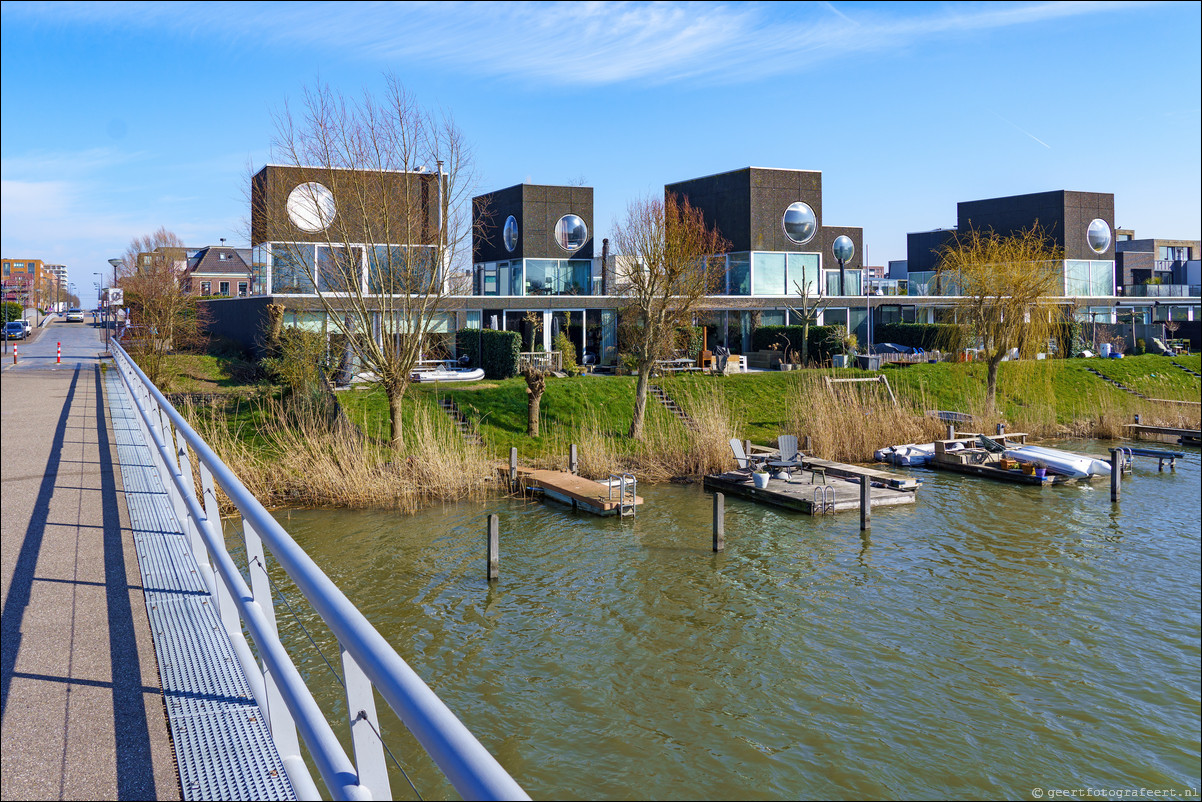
(1065, 463)
(445, 375)
(911, 454)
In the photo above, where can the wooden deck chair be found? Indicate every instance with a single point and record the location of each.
(787, 443)
(744, 462)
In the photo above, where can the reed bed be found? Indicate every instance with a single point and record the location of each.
(309, 460)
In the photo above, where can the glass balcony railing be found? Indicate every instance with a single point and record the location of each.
(1163, 291)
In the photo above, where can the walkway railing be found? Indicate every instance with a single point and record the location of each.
(368, 661)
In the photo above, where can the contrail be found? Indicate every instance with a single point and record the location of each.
(1024, 130)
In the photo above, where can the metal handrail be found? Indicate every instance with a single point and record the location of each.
(368, 659)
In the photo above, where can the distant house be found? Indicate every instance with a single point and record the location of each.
(219, 271)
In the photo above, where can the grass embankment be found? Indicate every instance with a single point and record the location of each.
(289, 455)
(1045, 398)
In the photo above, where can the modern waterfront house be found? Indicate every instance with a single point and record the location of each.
(536, 266)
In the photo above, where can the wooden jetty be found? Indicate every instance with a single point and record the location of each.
(893, 481)
(1164, 434)
(575, 491)
(800, 494)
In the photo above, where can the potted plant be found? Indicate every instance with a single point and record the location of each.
(760, 477)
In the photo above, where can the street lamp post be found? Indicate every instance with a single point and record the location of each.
(104, 308)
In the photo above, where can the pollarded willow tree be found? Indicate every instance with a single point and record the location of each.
(1006, 289)
(377, 218)
(666, 264)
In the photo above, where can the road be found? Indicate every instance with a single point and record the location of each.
(81, 342)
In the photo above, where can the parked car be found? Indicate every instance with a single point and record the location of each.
(14, 330)
(28, 326)
(75, 316)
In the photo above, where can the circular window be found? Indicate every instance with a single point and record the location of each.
(1098, 236)
(571, 232)
(844, 248)
(799, 222)
(310, 206)
(510, 233)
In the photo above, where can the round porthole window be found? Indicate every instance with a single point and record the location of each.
(799, 222)
(844, 248)
(1098, 235)
(310, 207)
(571, 232)
(510, 233)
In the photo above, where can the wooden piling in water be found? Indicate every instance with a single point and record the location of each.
(1116, 474)
(494, 547)
(951, 431)
(865, 503)
(513, 469)
(719, 522)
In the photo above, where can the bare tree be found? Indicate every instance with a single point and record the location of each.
(385, 185)
(536, 385)
(811, 308)
(167, 317)
(1004, 288)
(667, 266)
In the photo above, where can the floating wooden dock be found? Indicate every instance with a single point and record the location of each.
(799, 495)
(893, 481)
(980, 462)
(575, 491)
(1164, 434)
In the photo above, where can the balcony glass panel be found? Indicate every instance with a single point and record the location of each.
(803, 272)
(738, 273)
(292, 268)
(1076, 277)
(1101, 278)
(769, 274)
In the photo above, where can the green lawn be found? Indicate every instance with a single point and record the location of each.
(1050, 392)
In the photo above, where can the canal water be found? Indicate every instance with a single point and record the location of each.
(987, 641)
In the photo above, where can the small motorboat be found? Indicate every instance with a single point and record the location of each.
(911, 454)
(448, 375)
(1065, 463)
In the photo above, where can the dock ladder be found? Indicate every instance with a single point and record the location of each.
(824, 500)
(627, 485)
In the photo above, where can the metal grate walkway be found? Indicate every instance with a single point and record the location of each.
(222, 744)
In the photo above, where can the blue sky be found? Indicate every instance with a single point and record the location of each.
(119, 118)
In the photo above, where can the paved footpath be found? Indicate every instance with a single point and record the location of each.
(82, 711)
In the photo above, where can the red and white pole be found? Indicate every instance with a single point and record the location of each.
(58, 357)
(14, 353)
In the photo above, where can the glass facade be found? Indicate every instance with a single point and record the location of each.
(1085, 278)
(738, 274)
(770, 274)
(292, 268)
(851, 282)
(536, 277)
(804, 272)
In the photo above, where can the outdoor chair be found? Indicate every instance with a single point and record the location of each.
(746, 463)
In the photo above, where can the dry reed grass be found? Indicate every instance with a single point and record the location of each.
(850, 422)
(307, 462)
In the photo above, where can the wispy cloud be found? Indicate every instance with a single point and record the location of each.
(574, 43)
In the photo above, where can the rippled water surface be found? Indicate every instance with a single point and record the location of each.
(988, 640)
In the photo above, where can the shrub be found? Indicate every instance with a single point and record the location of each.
(495, 351)
(12, 311)
(927, 336)
(563, 344)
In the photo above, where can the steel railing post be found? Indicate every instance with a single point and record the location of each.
(365, 724)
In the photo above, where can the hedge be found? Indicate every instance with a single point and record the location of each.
(12, 311)
(824, 341)
(495, 351)
(927, 336)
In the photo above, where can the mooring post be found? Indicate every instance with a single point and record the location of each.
(806, 446)
(513, 468)
(1001, 429)
(573, 464)
(494, 547)
(865, 503)
(1116, 474)
(746, 446)
(951, 431)
(719, 522)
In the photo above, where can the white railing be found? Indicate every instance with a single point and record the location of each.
(368, 661)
